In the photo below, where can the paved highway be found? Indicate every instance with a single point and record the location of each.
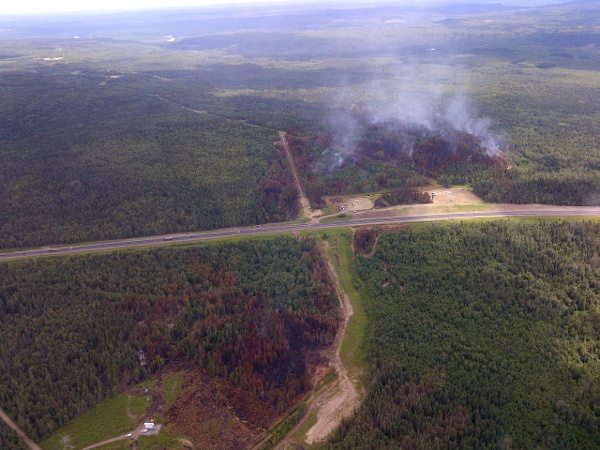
(513, 211)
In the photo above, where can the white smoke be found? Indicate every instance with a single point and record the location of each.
(418, 97)
(461, 116)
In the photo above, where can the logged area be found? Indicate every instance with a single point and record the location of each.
(241, 320)
(484, 336)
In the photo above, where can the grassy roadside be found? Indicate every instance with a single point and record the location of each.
(353, 350)
(309, 422)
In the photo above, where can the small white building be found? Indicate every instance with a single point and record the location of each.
(150, 428)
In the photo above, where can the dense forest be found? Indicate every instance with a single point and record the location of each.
(83, 161)
(9, 440)
(403, 197)
(126, 134)
(484, 335)
(246, 312)
(278, 196)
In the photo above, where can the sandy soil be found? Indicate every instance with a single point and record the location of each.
(360, 204)
(344, 204)
(461, 196)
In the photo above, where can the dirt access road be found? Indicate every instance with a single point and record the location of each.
(13, 426)
(338, 400)
(341, 399)
(304, 202)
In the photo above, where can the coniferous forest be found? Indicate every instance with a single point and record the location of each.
(483, 336)
(9, 440)
(479, 335)
(75, 330)
(121, 134)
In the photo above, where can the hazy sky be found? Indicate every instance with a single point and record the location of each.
(46, 6)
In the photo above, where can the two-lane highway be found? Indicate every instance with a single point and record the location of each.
(513, 211)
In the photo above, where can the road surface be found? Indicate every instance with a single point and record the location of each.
(513, 211)
(106, 442)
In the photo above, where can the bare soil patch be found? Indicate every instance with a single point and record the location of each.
(345, 204)
(443, 196)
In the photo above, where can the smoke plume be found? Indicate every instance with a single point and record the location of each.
(414, 99)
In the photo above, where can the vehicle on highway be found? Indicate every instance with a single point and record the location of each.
(168, 238)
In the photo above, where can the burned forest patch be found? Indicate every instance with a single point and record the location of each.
(390, 156)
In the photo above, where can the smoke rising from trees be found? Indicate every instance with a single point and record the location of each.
(417, 100)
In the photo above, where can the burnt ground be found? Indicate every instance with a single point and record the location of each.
(216, 414)
(388, 156)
